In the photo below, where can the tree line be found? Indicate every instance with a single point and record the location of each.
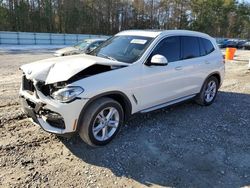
(219, 18)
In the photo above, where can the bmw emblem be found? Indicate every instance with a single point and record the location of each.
(29, 71)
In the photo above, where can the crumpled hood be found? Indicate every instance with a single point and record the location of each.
(67, 49)
(62, 68)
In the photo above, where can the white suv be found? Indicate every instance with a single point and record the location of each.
(134, 71)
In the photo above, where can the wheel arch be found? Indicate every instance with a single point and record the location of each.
(216, 75)
(115, 95)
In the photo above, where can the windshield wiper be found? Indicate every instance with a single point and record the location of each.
(108, 57)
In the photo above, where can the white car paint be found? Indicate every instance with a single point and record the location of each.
(47, 70)
(65, 50)
(152, 86)
(140, 33)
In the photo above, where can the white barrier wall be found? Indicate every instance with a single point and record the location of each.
(27, 38)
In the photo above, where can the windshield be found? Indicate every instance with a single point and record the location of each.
(126, 49)
(81, 45)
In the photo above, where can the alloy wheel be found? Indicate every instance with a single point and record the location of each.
(210, 91)
(105, 124)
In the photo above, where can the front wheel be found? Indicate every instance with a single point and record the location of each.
(101, 122)
(208, 92)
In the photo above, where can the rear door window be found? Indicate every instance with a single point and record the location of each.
(169, 48)
(190, 47)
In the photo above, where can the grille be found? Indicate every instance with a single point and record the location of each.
(28, 85)
(31, 104)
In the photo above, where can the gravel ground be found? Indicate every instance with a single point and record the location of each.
(182, 146)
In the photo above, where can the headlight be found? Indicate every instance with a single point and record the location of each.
(67, 94)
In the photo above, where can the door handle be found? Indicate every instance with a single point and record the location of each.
(207, 62)
(178, 68)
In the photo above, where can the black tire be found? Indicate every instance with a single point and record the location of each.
(200, 98)
(87, 120)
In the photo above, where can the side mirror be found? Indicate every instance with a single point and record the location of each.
(159, 60)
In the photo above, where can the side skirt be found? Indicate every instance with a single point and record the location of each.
(168, 103)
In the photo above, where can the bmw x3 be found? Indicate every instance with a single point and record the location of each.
(135, 71)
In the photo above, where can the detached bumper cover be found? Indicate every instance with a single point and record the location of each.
(28, 110)
(51, 115)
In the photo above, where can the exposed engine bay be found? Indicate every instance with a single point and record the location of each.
(48, 89)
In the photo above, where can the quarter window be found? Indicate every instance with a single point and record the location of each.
(209, 48)
(169, 48)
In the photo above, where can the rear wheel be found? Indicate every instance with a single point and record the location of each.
(208, 92)
(101, 122)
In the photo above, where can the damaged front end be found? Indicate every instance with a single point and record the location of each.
(48, 96)
(35, 107)
(39, 103)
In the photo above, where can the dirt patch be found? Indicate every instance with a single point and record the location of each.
(182, 146)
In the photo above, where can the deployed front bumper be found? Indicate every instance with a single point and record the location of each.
(51, 115)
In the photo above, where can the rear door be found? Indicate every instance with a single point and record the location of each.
(207, 54)
(192, 65)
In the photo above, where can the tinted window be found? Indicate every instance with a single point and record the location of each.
(169, 48)
(207, 45)
(190, 47)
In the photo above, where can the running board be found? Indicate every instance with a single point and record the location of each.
(167, 104)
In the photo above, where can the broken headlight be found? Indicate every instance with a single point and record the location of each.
(67, 94)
